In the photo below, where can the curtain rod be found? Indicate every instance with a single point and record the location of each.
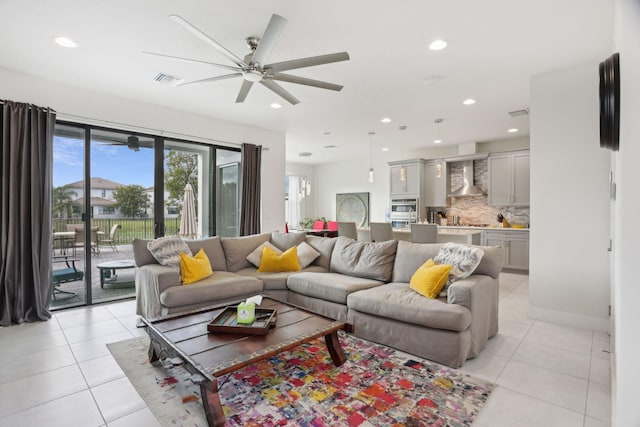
(126, 126)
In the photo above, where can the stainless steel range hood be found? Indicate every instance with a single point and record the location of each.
(467, 189)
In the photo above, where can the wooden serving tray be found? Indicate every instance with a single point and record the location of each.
(227, 322)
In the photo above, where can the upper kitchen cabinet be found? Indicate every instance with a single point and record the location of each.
(509, 179)
(435, 183)
(407, 177)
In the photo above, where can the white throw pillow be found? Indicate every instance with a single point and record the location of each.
(306, 254)
(463, 258)
(256, 256)
(166, 250)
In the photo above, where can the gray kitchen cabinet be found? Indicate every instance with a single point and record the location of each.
(509, 179)
(411, 185)
(515, 245)
(435, 183)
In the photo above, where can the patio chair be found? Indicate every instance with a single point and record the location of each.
(63, 275)
(79, 240)
(111, 241)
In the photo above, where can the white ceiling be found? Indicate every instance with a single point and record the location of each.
(494, 47)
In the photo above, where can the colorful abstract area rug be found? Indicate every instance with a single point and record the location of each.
(377, 386)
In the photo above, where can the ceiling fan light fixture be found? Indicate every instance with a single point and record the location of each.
(252, 75)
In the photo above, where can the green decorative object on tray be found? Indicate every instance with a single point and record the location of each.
(246, 313)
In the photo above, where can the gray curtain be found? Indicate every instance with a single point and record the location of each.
(26, 138)
(250, 210)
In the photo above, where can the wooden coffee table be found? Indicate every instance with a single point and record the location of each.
(215, 354)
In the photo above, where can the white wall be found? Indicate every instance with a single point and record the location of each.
(626, 314)
(85, 106)
(569, 262)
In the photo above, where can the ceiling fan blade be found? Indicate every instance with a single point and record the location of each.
(196, 61)
(212, 79)
(269, 39)
(202, 36)
(304, 81)
(279, 90)
(307, 62)
(244, 91)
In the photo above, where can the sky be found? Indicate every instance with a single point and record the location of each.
(113, 162)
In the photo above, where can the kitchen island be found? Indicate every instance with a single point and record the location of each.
(470, 237)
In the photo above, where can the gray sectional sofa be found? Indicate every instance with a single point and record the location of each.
(363, 282)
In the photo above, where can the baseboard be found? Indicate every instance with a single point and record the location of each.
(570, 319)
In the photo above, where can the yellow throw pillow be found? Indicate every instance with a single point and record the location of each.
(271, 262)
(194, 268)
(430, 278)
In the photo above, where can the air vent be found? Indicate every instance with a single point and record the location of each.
(304, 154)
(519, 113)
(167, 79)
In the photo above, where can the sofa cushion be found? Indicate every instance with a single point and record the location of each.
(256, 255)
(236, 249)
(332, 287)
(213, 248)
(325, 246)
(284, 241)
(277, 281)
(194, 268)
(371, 260)
(166, 250)
(491, 263)
(463, 258)
(410, 256)
(397, 301)
(272, 262)
(430, 278)
(221, 285)
(141, 254)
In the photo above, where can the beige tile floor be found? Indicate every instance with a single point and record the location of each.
(60, 373)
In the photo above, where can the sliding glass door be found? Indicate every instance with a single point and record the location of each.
(111, 187)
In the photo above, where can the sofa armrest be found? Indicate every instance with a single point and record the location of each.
(151, 281)
(479, 294)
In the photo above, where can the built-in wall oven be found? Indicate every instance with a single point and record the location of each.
(404, 212)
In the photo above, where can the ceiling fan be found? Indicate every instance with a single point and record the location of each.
(254, 67)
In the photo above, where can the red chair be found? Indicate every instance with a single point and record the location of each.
(332, 226)
(318, 225)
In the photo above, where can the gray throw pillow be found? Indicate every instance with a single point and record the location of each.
(166, 250)
(463, 258)
(306, 254)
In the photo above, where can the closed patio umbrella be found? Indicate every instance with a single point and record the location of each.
(188, 221)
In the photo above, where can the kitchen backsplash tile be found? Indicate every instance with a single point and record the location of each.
(475, 210)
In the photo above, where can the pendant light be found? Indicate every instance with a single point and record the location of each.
(371, 156)
(437, 122)
(403, 168)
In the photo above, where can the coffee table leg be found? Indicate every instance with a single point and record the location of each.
(211, 403)
(153, 356)
(335, 350)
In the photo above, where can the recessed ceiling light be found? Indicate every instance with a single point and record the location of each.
(438, 45)
(469, 101)
(275, 106)
(385, 120)
(65, 42)
(437, 141)
(385, 149)
(513, 130)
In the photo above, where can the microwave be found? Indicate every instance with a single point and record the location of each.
(404, 210)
